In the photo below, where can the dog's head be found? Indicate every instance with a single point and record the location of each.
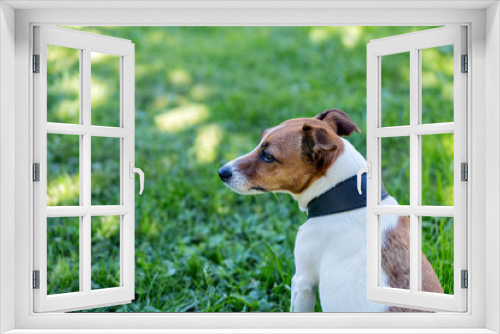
(290, 156)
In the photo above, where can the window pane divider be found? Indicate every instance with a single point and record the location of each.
(434, 211)
(106, 131)
(423, 129)
(81, 130)
(434, 129)
(109, 210)
(419, 210)
(67, 211)
(80, 211)
(86, 168)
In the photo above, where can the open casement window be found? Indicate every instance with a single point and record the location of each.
(84, 164)
(424, 133)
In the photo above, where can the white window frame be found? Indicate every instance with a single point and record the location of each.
(15, 254)
(413, 44)
(85, 43)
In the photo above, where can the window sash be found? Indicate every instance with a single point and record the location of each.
(86, 298)
(413, 43)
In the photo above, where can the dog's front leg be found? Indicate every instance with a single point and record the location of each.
(303, 295)
(305, 280)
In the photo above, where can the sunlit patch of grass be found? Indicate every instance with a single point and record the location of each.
(350, 36)
(69, 85)
(63, 84)
(206, 143)
(64, 190)
(99, 92)
(181, 118)
(107, 226)
(67, 109)
(319, 34)
(200, 92)
(179, 77)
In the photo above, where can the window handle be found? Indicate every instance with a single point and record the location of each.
(366, 170)
(141, 175)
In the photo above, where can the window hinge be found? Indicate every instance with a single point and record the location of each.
(465, 279)
(36, 279)
(36, 172)
(464, 171)
(36, 63)
(465, 64)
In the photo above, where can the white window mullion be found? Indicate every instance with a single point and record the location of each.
(418, 119)
(123, 178)
(127, 102)
(414, 172)
(85, 167)
(78, 129)
(460, 156)
(373, 157)
(40, 156)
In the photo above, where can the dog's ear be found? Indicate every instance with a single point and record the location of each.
(339, 121)
(317, 142)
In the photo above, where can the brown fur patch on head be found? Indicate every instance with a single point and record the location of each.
(303, 149)
(396, 262)
(339, 121)
(317, 142)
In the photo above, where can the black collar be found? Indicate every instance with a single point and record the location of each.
(343, 197)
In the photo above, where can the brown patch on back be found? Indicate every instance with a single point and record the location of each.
(396, 263)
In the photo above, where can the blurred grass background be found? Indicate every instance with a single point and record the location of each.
(203, 97)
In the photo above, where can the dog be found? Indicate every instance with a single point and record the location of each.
(309, 158)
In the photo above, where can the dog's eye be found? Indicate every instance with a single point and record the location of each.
(266, 156)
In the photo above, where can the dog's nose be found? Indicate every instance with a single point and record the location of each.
(225, 173)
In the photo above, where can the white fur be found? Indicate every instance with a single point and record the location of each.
(330, 251)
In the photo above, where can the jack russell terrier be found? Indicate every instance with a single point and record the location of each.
(308, 159)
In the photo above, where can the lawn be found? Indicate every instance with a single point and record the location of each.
(203, 97)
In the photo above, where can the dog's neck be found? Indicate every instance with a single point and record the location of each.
(346, 165)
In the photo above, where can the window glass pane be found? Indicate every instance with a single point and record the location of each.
(63, 169)
(395, 251)
(437, 169)
(105, 252)
(395, 90)
(105, 171)
(395, 156)
(63, 249)
(63, 84)
(437, 245)
(105, 89)
(437, 84)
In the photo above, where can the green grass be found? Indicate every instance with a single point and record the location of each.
(203, 96)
